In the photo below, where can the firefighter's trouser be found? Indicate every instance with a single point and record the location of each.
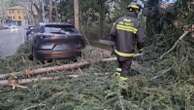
(124, 65)
(124, 61)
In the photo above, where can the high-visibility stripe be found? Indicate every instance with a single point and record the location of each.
(118, 69)
(128, 24)
(121, 22)
(127, 20)
(122, 54)
(121, 78)
(134, 6)
(127, 28)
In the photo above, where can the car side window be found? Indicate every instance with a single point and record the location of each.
(39, 29)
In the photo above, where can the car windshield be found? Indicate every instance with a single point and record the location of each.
(59, 29)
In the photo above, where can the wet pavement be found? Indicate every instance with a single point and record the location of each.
(10, 40)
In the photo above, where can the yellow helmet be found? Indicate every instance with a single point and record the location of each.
(134, 7)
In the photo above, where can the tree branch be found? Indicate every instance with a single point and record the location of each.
(35, 106)
(65, 67)
(175, 44)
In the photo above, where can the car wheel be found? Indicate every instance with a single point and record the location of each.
(34, 57)
(74, 59)
(30, 57)
(34, 54)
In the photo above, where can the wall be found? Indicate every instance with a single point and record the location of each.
(16, 14)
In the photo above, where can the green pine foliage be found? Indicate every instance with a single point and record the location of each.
(167, 85)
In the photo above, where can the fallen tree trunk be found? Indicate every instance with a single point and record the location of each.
(65, 67)
(18, 82)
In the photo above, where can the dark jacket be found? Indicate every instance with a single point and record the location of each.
(126, 33)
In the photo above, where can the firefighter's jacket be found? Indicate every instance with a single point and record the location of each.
(127, 34)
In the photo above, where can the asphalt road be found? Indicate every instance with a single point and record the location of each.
(10, 41)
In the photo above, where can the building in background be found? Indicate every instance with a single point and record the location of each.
(1, 16)
(16, 15)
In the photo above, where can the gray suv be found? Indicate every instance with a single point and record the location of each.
(57, 41)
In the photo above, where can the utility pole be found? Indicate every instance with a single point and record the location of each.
(76, 14)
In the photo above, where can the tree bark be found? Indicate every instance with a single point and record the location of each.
(102, 17)
(65, 67)
(16, 83)
(50, 11)
(76, 14)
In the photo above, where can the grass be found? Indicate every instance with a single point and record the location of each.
(168, 85)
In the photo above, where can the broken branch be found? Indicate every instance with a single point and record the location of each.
(35, 106)
(175, 44)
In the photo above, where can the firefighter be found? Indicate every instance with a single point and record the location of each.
(127, 34)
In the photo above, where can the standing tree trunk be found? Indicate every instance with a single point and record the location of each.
(102, 17)
(56, 13)
(43, 11)
(50, 11)
(76, 14)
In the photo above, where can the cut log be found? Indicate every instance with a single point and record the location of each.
(16, 83)
(65, 67)
(106, 42)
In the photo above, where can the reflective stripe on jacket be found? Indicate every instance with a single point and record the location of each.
(127, 34)
(127, 28)
(126, 55)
